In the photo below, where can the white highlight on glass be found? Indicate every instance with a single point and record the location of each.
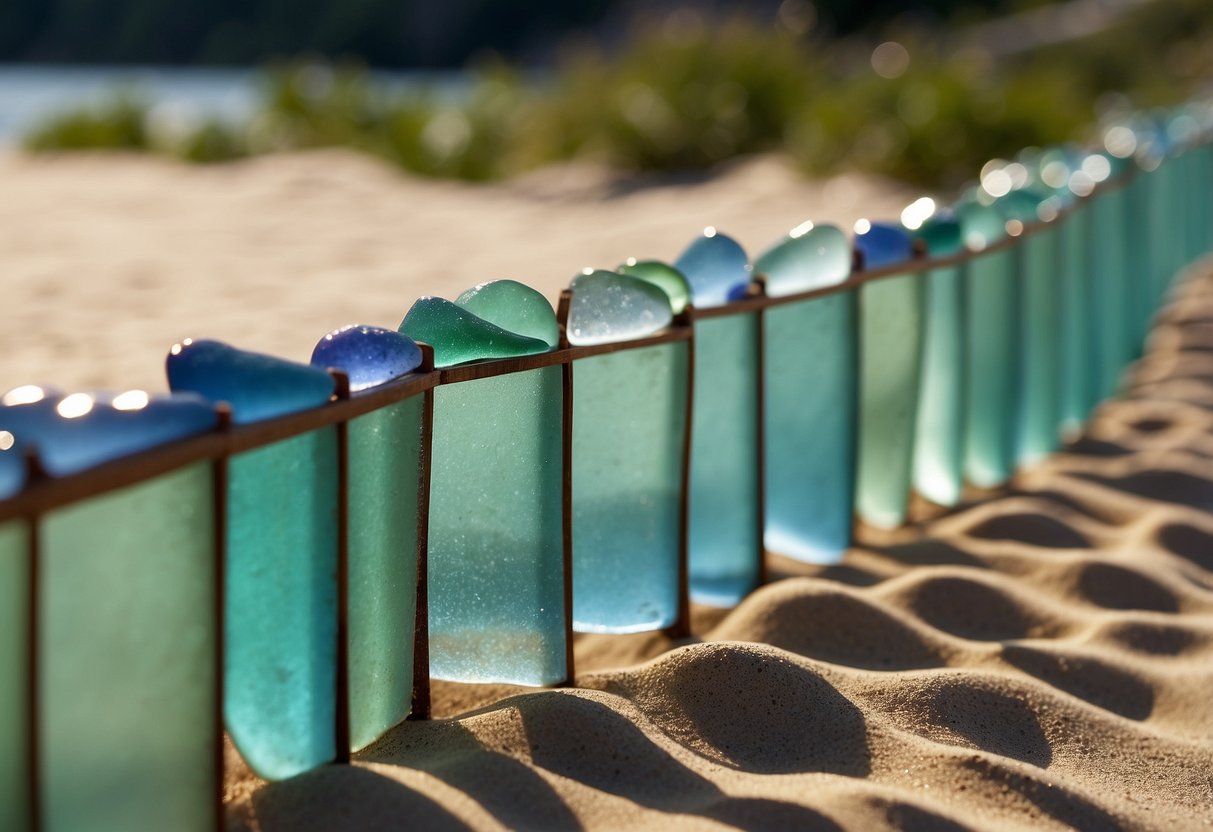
(75, 406)
(25, 394)
(918, 212)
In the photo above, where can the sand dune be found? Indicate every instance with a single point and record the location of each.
(1040, 658)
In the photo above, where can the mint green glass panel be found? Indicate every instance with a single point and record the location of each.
(496, 563)
(1109, 257)
(1139, 309)
(1077, 397)
(725, 549)
(384, 486)
(992, 394)
(127, 640)
(281, 623)
(939, 429)
(1163, 219)
(811, 414)
(891, 333)
(1040, 414)
(629, 430)
(14, 578)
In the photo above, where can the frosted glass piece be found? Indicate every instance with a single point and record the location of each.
(496, 585)
(891, 329)
(458, 336)
(368, 355)
(717, 268)
(992, 390)
(281, 625)
(515, 307)
(629, 429)
(256, 386)
(811, 417)
(808, 258)
(76, 432)
(14, 635)
(384, 487)
(883, 244)
(724, 537)
(609, 307)
(127, 639)
(939, 431)
(665, 277)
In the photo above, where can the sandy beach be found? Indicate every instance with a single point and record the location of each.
(1039, 658)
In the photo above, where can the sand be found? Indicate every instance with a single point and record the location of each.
(1041, 657)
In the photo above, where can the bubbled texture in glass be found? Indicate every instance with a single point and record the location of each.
(496, 586)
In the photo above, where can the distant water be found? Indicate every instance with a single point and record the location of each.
(30, 94)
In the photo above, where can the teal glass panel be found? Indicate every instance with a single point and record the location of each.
(1041, 345)
(1139, 308)
(939, 430)
(992, 394)
(725, 549)
(1076, 356)
(629, 433)
(811, 413)
(127, 640)
(281, 623)
(14, 635)
(1110, 295)
(384, 486)
(496, 563)
(891, 339)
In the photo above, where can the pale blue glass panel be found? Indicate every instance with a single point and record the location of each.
(891, 332)
(14, 635)
(811, 416)
(126, 646)
(496, 568)
(384, 479)
(1041, 344)
(725, 546)
(1110, 296)
(1076, 356)
(992, 394)
(629, 430)
(281, 622)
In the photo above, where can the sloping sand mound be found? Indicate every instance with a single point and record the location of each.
(1038, 659)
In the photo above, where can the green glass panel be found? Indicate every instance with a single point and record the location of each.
(1041, 344)
(992, 337)
(281, 622)
(384, 480)
(1076, 356)
(811, 413)
(515, 307)
(14, 634)
(939, 431)
(629, 433)
(891, 341)
(458, 336)
(725, 550)
(496, 567)
(127, 658)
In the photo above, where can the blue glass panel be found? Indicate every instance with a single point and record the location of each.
(716, 267)
(811, 415)
(724, 538)
(256, 386)
(368, 355)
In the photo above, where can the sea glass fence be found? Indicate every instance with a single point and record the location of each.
(296, 581)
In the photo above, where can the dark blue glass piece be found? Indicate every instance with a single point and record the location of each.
(12, 465)
(369, 355)
(72, 433)
(257, 386)
(717, 268)
(884, 244)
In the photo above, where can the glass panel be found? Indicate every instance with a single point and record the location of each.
(1041, 344)
(126, 649)
(384, 480)
(14, 578)
(496, 565)
(629, 429)
(1076, 357)
(811, 384)
(1109, 298)
(891, 360)
(993, 382)
(281, 627)
(1140, 307)
(725, 551)
(939, 434)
